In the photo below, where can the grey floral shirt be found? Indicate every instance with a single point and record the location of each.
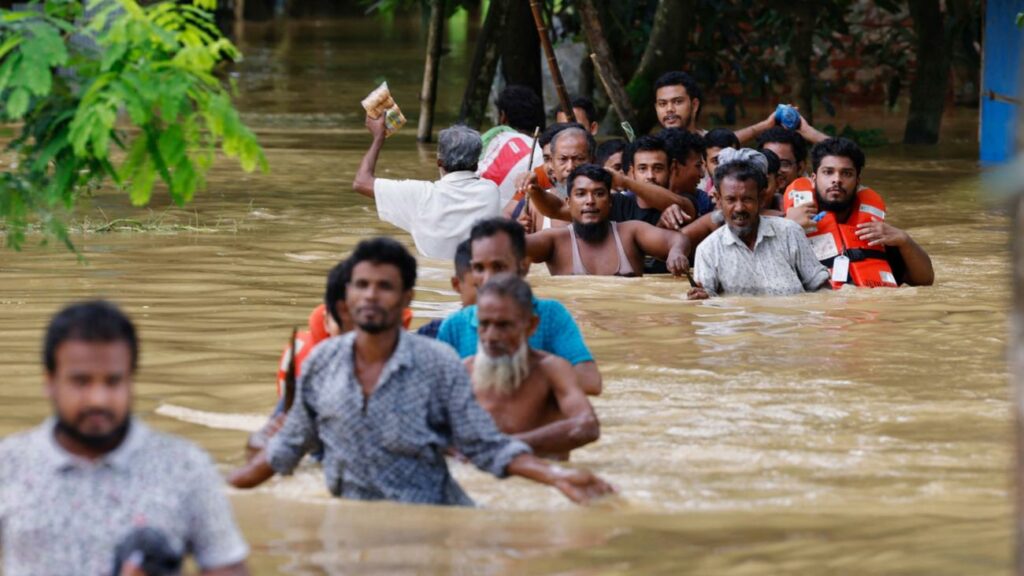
(391, 444)
(781, 263)
(63, 515)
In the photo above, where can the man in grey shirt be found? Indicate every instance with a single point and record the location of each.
(386, 405)
(76, 486)
(753, 254)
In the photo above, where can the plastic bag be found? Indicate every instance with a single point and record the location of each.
(379, 102)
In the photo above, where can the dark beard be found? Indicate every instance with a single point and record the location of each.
(594, 233)
(377, 328)
(834, 207)
(95, 442)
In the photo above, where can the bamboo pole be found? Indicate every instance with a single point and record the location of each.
(604, 63)
(549, 51)
(428, 95)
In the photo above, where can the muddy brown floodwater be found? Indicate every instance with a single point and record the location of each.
(859, 432)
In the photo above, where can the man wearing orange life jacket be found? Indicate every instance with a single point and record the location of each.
(846, 223)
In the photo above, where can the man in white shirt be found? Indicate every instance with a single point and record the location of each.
(438, 214)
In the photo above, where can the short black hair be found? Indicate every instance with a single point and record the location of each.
(742, 170)
(337, 279)
(591, 141)
(549, 133)
(493, 226)
(780, 135)
(463, 257)
(773, 161)
(721, 138)
(608, 149)
(523, 109)
(837, 147)
(92, 321)
(383, 250)
(510, 286)
(594, 172)
(681, 144)
(677, 78)
(587, 105)
(645, 143)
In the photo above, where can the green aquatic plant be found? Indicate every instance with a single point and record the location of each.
(111, 90)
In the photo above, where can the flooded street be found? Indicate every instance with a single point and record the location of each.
(859, 432)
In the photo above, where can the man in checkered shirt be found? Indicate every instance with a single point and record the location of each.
(386, 405)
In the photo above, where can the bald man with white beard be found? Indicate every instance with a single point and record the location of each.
(531, 395)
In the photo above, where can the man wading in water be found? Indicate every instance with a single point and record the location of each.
(386, 405)
(93, 475)
(593, 244)
(530, 394)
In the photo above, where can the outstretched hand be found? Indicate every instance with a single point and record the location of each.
(677, 263)
(582, 486)
(674, 218)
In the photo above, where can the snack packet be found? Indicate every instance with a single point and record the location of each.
(378, 103)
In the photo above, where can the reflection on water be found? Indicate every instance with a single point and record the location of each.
(861, 432)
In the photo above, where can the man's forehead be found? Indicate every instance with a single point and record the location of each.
(733, 186)
(650, 156)
(572, 140)
(371, 268)
(80, 354)
(493, 304)
(672, 91)
(781, 149)
(490, 247)
(836, 162)
(586, 183)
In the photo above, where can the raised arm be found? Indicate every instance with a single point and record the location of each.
(700, 229)
(580, 425)
(751, 132)
(545, 202)
(667, 245)
(365, 178)
(657, 197)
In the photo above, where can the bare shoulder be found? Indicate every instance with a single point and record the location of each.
(550, 364)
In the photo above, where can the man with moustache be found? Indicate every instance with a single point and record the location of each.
(386, 405)
(753, 255)
(838, 200)
(594, 244)
(93, 481)
(677, 101)
(685, 152)
(648, 194)
(531, 395)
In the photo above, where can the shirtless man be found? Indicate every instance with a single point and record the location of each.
(594, 244)
(532, 395)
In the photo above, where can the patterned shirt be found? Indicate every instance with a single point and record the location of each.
(781, 263)
(61, 514)
(557, 333)
(391, 444)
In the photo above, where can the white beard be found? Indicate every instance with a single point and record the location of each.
(501, 374)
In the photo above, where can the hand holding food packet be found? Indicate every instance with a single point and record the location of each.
(380, 102)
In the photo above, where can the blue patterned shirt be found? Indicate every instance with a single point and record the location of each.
(391, 444)
(61, 514)
(557, 333)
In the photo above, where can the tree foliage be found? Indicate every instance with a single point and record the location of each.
(85, 79)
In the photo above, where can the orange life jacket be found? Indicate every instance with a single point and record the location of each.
(868, 264)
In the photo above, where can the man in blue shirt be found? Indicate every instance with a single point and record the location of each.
(499, 245)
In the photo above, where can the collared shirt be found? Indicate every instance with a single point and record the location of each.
(62, 514)
(439, 214)
(391, 444)
(781, 263)
(556, 332)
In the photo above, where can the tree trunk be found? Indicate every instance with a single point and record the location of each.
(485, 65)
(428, 95)
(520, 50)
(666, 50)
(928, 90)
(799, 73)
(604, 64)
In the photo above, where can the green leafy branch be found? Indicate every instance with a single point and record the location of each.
(85, 80)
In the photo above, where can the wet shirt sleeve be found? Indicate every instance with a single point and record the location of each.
(398, 201)
(299, 434)
(705, 271)
(473, 431)
(813, 273)
(565, 339)
(214, 538)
